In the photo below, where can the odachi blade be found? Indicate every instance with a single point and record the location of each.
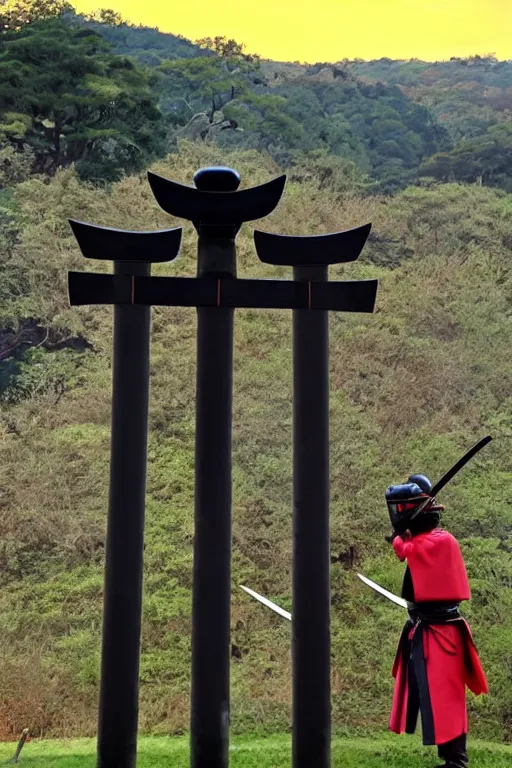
(268, 603)
(382, 591)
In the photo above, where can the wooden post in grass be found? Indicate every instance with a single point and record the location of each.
(21, 744)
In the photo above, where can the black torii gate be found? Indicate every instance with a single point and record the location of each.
(217, 210)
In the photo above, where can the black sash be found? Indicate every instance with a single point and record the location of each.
(422, 615)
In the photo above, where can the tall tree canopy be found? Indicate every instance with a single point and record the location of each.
(15, 14)
(65, 96)
(485, 159)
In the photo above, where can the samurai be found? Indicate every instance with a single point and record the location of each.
(436, 657)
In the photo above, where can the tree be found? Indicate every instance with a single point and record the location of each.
(203, 84)
(227, 48)
(16, 14)
(483, 160)
(106, 16)
(65, 96)
(265, 116)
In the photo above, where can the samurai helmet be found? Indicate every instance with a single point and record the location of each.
(423, 482)
(409, 502)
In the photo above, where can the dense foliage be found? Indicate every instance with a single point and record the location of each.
(148, 46)
(65, 99)
(471, 99)
(466, 95)
(486, 159)
(411, 388)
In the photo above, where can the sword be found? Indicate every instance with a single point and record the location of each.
(452, 472)
(446, 478)
(458, 466)
(268, 603)
(277, 609)
(382, 591)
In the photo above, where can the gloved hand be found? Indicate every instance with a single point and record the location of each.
(406, 535)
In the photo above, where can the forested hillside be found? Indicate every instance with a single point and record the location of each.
(467, 95)
(110, 97)
(412, 386)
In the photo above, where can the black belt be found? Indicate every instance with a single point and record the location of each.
(434, 613)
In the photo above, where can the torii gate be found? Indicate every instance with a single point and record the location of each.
(217, 208)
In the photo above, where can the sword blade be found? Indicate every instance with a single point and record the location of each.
(382, 591)
(458, 466)
(268, 603)
(451, 473)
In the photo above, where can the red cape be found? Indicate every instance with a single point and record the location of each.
(437, 567)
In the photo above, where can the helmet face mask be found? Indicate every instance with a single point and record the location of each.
(403, 502)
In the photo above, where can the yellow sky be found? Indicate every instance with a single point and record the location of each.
(329, 30)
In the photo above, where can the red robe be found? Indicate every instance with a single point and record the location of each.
(451, 660)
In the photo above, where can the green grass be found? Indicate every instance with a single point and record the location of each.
(272, 752)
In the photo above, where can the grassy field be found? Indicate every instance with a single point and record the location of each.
(270, 752)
